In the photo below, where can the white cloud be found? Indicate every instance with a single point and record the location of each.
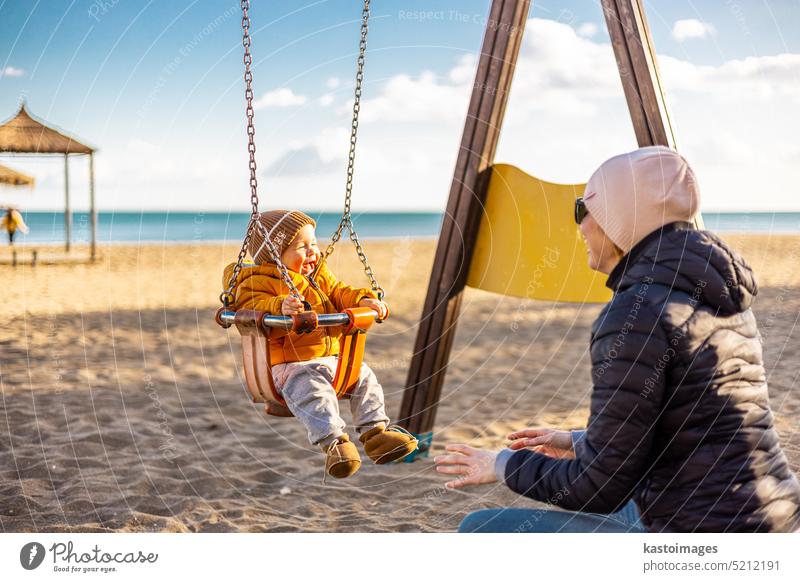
(12, 72)
(558, 71)
(332, 143)
(321, 154)
(567, 113)
(762, 79)
(587, 29)
(141, 147)
(333, 83)
(691, 28)
(736, 123)
(300, 161)
(326, 100)
(424, 98)
(283, 97)
(464, 71)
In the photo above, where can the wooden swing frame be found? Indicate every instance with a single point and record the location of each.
(636, 61)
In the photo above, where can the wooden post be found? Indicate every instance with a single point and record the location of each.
(67, 210)
(92, 208)
(638, 69)
(437, 327)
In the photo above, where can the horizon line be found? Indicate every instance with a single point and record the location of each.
(336, 211)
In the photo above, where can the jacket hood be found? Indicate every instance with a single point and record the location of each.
(694, 261)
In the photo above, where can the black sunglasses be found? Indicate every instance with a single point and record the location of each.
(580, 210)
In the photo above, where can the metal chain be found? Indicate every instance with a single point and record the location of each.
(347, 219)
(226, 297)
(367, 269)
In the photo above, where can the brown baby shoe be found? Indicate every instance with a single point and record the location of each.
(384, 445)
(342, 458)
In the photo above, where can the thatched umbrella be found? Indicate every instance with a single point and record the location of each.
(11, 177)
(24, 134)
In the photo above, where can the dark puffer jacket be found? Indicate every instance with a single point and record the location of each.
(680, 419)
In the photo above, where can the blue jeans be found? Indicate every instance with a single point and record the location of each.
(516, 520)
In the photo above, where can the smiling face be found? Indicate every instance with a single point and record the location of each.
(603, 253)
(302, 254)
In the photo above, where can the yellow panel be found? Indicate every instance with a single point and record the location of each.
(528, 243)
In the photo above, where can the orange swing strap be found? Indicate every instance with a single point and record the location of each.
(258, 366)
(351, 350)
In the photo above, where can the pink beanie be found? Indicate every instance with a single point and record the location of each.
(633, 194)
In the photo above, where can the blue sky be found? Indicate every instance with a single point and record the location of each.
(157, 87)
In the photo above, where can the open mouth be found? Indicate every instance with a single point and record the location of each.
(309, 266)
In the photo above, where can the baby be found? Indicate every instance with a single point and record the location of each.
(304, 364)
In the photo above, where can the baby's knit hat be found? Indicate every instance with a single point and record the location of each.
(633, 194)
(281, 226)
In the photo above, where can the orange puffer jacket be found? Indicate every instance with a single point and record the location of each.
(261, 288)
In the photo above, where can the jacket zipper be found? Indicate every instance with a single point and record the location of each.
(322, 299)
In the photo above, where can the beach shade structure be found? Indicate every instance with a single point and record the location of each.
(10, 177)
(505, 231)
(25, 134)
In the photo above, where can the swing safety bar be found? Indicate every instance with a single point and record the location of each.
(227, 317)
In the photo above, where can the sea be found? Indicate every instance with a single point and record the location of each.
(215, 227)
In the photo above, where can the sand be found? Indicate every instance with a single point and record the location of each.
(123, 408)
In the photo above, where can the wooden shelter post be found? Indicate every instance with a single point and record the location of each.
(636, 60)
(92, 208)
(437, 327)
(67, 209)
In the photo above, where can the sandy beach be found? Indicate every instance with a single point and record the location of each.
(123, 408)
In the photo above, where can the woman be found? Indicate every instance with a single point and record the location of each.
(11, 222)
(680, 422)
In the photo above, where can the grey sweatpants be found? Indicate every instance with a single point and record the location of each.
(308, 391)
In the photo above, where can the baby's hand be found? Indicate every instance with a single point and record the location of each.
(377, 305)
(291, 305)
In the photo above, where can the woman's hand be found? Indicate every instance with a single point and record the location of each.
(474, 466)
(376, 304)
(292, 305)
(553, 443)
